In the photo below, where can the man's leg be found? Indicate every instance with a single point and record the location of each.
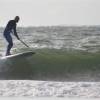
(10, 44)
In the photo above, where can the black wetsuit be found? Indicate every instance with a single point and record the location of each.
(11, 27)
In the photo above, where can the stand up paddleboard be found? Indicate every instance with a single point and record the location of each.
(23, 54)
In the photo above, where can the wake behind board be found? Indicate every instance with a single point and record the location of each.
(23, 54)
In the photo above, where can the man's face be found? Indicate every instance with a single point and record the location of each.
(17, 20)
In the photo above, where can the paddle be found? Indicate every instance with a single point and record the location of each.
(27, 46)
(24, 43)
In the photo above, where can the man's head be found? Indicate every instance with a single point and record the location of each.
(17, 19)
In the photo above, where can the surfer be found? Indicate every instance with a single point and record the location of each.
(11, 28)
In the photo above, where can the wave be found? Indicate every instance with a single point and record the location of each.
(52, 64)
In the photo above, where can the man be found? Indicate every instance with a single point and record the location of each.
(11, 28)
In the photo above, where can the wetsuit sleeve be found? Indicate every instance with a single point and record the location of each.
(15, 33)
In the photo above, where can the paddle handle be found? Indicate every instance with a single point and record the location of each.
(24, 43)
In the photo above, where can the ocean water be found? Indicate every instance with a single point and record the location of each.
(66, 63)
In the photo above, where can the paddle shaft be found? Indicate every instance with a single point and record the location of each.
(28, 46)
(24, 43)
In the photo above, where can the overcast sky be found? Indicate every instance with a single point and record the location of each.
(51, 12)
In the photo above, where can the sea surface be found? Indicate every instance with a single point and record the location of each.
(66, 62)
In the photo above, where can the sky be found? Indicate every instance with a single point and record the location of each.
(50, 12)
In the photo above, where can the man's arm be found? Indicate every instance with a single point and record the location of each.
(15, 33)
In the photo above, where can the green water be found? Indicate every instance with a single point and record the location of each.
(49, 64)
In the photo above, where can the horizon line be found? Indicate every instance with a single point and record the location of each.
(56, 25)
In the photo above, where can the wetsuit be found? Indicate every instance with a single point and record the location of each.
(11, 27)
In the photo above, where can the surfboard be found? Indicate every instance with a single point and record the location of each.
(23, 54)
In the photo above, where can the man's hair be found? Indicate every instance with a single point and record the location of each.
(17, 17)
